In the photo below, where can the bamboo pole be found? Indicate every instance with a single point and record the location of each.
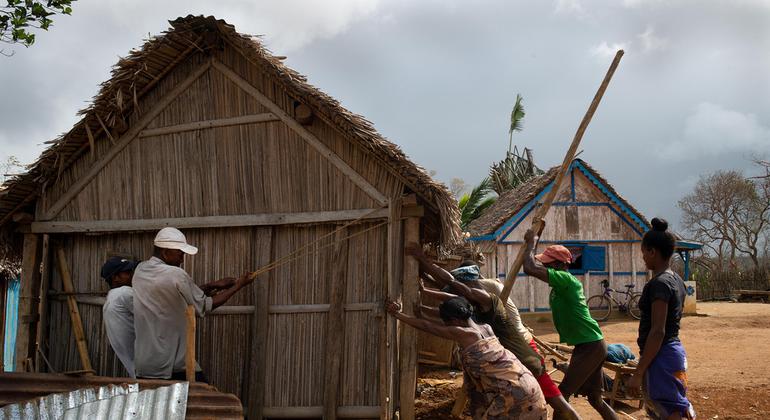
(189, 357)
(410, 296)
(28, 301)
(538, 222)
(77, 323)
(335, 329)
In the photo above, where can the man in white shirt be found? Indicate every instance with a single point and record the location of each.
(162, 291)
(118, 309)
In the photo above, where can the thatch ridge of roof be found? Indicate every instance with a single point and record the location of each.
(510, 202)
(136, 73)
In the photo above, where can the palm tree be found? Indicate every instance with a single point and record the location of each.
(512, 171)
(474, 203)
(517, 120)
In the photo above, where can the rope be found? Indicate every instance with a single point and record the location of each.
(297, 254)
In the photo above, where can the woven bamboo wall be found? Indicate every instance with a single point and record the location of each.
(296, 353)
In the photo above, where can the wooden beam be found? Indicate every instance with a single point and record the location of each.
(42, 327)
(28, 301)
(189, 355)
(389, 329)
(77, 323)
(309, 137)
(261, 324)
(266, 219)
(22, 217)
(201, 125)
(610, 265)
(410, 297)
(124, 141)
(538, 220)
(335, 327)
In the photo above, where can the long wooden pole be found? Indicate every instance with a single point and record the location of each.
(189, 357)
(538, 222)
(77, 323)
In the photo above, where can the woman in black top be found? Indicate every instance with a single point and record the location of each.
(663, 365)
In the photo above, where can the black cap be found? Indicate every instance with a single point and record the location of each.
(116, 265)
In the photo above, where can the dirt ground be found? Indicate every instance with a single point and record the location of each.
(728, 352)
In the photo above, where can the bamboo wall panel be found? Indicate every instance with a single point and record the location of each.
(295, 360)
(74, 172)
(360, 365)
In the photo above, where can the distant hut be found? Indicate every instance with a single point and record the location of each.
(203, 129)
(601, 229)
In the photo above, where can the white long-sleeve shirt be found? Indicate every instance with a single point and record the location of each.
(118, 315)
(161, 295)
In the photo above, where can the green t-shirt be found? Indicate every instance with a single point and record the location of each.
(569, 309)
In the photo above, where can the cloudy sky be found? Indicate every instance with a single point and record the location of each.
(439, 77)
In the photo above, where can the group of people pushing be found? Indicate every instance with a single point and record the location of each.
(505, 375)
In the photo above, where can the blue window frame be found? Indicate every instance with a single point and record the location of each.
(586, 258)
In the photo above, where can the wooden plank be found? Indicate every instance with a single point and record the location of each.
(266, 219)
(77, 323)
(28, 301)
(389, 327)
(335, 328)
(123, 142)
(201, 125)
(343, 412)
(189, 356)
(408, 353)
(259, 336)
(42, 328)
(538, 222)
(309, 137)
(611, 264)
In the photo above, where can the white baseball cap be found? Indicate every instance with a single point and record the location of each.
(172, 238)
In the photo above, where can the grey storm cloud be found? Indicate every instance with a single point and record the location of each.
(439, 78)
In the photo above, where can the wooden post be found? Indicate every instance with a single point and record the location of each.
(189, 356)
(633, 263)
(610, 265)
(42, 328)
(260, 335)
(389, 328)
(77, 324)
(28, 302)
(538, 222)
(410, 296)
(335, 331)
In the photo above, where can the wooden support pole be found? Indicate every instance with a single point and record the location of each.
(389, 328)
(189, 356)
(335, 327)
(201, 125)
(410, 296)
(77, 323)
(538, 222)
(28, 302)
(42, 328)
(261, 324)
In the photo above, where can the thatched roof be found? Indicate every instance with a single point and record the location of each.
(136, 74)
(512, 201)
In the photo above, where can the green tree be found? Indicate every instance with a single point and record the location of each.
(19, 17)
(474, 203)
(517, 120)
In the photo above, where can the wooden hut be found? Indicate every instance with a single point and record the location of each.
(602, 230)
(203, 129)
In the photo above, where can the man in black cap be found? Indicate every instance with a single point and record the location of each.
(118, 309)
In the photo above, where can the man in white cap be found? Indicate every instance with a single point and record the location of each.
(162, 291)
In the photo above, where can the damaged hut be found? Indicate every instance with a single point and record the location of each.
(203, 129)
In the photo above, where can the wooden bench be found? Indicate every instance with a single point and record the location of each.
(751, 295)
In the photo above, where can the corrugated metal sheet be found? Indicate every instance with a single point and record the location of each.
(203, 400)
(168, 402)
(54, 406)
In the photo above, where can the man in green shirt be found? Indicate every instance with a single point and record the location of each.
(572, 321)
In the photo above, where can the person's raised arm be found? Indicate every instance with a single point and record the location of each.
(444, 278)
(430, 313)
(653, 343)
(220, 298)
(532, 266)
(438, 295)
(439, 330)
(211, 288)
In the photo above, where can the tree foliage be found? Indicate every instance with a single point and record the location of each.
(473, 204)
(512, 171)
(730, 214)
(19, 17)
(517, 120)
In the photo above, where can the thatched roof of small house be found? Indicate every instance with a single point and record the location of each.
(140, 71)
(510, 202)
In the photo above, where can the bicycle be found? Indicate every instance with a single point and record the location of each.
(600, 306)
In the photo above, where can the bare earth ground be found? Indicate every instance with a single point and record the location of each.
(728, 351)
